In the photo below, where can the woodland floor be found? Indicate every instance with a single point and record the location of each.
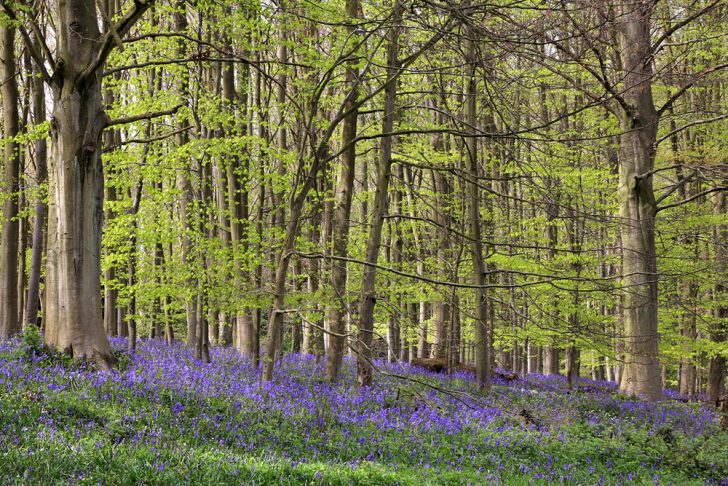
(166, 419)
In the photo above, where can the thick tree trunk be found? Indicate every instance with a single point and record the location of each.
(9, 303)
(73, 285)
(551, 361)
(639, 121)
(76, 190)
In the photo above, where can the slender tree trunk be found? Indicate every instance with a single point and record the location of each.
(184, 186)
(314, 271)
(9, 302)
(131, 324)
(719, 329)
(275, 323)
(442, 306)
(204, 307)
(41, 209)
(368, 294)
(238, 177)
(342, 211)
(423, 346)
(297, 325)
(482, 344)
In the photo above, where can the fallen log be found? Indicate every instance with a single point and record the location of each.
(722, 404)
(438, 365)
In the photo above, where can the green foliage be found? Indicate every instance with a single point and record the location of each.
(31, 342)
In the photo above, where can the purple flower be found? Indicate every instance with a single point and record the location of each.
(177, 408)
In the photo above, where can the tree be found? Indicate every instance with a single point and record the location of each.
(9, 317)
(342, 208)
(482, 341)
(73, 320)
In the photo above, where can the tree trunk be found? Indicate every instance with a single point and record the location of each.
(76, 190)
(482, 344)
(313, 267)
(41, 209)
(717, 366)
(639, 122)
(551, 361)
(368, 292)
(342, 211)
(442, 306)
(9, 304)
(275, 323)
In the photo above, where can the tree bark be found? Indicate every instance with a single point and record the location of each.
(638, 120)
(441, 311)
(717, 366)
(342, 211)
(9, 303)
(41, 209)
(76, 190)
(368, 293)
(482, 345)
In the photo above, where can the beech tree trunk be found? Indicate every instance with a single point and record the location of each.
(76, 189)
(444, 255)
(639, 120)
(41, 210)
(482, 344)
(9, 303)
(73, 283)
(368, 292)
(719, 329)
(342, 211)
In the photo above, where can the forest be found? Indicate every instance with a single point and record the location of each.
(363, 242)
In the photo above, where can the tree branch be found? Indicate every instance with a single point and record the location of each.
(687, 86)
(682, 24)
(32, 48)
(146, 140)
(118, 30)
(143, 116)
(168, 62)
(688, 125)
(693, 197)
(675, 187)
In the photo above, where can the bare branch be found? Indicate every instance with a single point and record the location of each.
(689, 85)
(120, 29)
(143, 116)
(688, 125)
(146, 140)
(683, 23)
(32, 48)
(676, 186)
(693, 197)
